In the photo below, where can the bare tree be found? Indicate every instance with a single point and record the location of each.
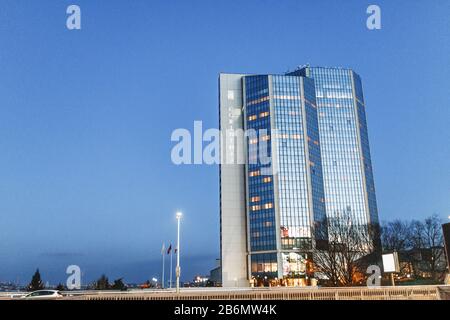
(433, 240)
(396, 235)
(419, 243)
(343, 256)
(416, 234)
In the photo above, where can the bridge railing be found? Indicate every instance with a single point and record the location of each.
(433, 292)
(358, 293)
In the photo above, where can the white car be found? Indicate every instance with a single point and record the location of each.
(43, 295)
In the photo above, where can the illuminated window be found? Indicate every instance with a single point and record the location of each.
(267, 179)
(255, 199)
(254, 173)
(296, 136)
(253, 141)
(253, 117)
(255, 208)
(268, 223)
(260, 267)
(268, 206)
(264, 114)
(252, 102)
(265, 138)
(286, 97)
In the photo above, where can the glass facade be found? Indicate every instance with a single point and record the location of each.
(261, 211)
(300, 186)
(285, 195)
(347, 167)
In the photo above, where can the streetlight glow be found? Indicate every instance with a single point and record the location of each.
(179, 215)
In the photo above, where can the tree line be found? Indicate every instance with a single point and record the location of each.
(351, 248)
(101, 283)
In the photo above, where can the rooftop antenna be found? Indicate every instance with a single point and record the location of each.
(307, 65)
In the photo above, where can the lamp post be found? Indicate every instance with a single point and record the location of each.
(178, 270)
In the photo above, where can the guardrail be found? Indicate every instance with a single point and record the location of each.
(355, 293)
(444, 292)
(433, 292)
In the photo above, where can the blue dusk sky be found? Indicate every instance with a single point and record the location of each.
(86, 118)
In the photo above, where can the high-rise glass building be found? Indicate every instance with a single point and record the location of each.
(294, 151)
(347, 166)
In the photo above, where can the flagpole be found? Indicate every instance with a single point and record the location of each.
(171, 255)
(163, 253)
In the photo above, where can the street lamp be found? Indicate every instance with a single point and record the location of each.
(178, 270)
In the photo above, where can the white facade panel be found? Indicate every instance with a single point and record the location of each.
(232, 187)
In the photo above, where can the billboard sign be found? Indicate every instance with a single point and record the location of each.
(390, 262)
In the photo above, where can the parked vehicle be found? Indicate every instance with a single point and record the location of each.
(43, 295)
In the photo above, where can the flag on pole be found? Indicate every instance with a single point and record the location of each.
(163, 249)
(170, 249)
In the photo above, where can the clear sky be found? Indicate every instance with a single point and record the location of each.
(86, 117)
